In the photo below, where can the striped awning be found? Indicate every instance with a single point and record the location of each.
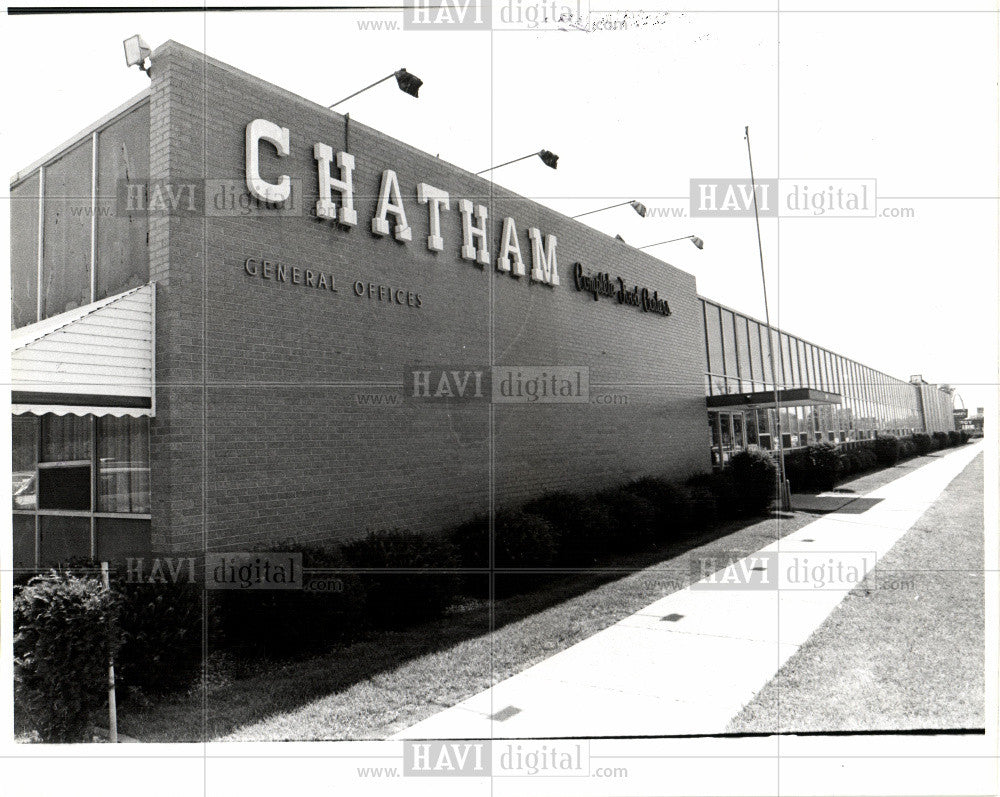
(94, 360)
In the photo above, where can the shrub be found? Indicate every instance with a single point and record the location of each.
(866, 459)
(922, 444)
(669, 504)
(886, 450)
(700, 510)
(719, 485)
(798, 469)
(941, 440)
(824, 466)
(632, 520)
(906, 448)
(521, 540)
(392, 598)
(581, 525)
(752, 482)
(283, 622)
(965, 435)
(846, 464)
(954, 438)
(65, 630)
(161, 643)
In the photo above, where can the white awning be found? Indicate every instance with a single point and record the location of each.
(94, 360)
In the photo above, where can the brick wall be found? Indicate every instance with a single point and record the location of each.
(259, 433)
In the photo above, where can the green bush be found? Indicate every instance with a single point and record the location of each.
(396, 597)
(632, 520)
(279, 623)
(886, 450)
(798, 469)
(845, 465)
(700, 510)
(718, 484)
(161, 643)
(824, 466)
(65, 630)
(669, 505)
(866, 459)
(752, 482)
(581, 525)
(922, 444)
(954, 438)
(521, 540)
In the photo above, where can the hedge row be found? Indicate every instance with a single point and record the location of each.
(820, 466)
(390, 579)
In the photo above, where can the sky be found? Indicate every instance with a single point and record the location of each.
(906, 101)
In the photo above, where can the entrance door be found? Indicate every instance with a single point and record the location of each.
(728, 431)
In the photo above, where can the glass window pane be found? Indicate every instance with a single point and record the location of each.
(66, 235)
(64, 538)
(123, 465)
(118, 538)
(727, 431)
(24, 542)
(65, 438)
(64, 487)
(793, 347)
(729, 344)
(757, 360)
(738, 430)
(714, 335)
(743, 349)
(122, 251)
(751, 430)
(24, 252)
(24, 435)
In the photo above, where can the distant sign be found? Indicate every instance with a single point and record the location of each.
(961, 414)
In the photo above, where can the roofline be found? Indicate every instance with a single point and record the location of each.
(104, 121)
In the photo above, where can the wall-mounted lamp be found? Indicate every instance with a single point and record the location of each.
(693, 238)
(407, 82)
(550, 159)
(636, 205)
(137, 52)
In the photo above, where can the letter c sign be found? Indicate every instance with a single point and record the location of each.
(258, 130)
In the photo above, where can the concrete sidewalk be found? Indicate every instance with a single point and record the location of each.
(689, 662)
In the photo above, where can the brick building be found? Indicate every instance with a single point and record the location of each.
(240, 317)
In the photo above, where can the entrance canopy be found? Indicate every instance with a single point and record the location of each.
(790, 397)
(94, 360)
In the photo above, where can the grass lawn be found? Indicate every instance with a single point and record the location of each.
(380, 685)
(905, 650)
(387, 682)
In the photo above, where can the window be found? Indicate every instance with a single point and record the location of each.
(713, 336)
(751, 430)
(122, 465)
(74, 476)
(24, 460)
(64, 466)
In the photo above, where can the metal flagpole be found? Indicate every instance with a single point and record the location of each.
(786, 499)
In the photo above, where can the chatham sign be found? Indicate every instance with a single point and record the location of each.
(336, 203)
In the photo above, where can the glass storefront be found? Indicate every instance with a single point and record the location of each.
(738, 361)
